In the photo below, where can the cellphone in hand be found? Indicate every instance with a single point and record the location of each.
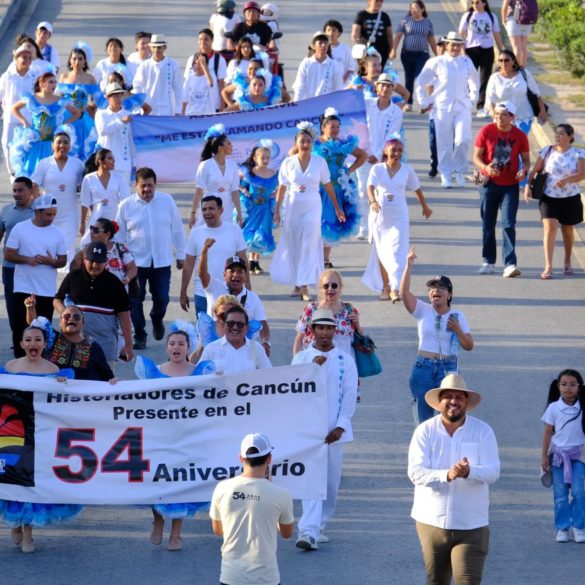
(455, 317)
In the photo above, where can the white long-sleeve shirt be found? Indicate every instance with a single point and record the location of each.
(229, 360)
(152, 230)
(116, 136)
(382, 124)
(455, 81)
(461, 504)
(342, 381)
(13, 86)
(161, 81)
(314, 78)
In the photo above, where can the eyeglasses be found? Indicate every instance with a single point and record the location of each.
(74, 317)
(328, 285)
(95, 230)
(235, 325)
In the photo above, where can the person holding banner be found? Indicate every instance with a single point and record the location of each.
(217, 175)
(342, 382)
(22, 516)
(298, 259)
(318, 73)
(181, 338)
(258, 95)
(249, 524)
(234, 352)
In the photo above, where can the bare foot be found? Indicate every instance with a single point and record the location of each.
(158, 525)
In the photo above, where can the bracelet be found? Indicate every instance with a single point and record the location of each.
(371, 202)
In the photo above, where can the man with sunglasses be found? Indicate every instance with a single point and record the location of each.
(71, 349)
(234, 352)
(498, 148)
(233, 283)
(342, 381)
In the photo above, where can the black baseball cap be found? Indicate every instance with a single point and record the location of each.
(441, 280)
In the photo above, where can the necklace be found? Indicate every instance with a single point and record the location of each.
(391, 171)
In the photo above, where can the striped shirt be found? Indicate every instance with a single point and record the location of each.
(416, 34)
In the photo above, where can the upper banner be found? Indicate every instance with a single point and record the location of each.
(158, 441)
(172, 145)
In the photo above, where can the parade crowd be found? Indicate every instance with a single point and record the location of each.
(89, 235)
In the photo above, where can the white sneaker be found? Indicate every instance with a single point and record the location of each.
(562, 536)
(487, 268)
(362, 234)
(578, 533)
(460, 179)
(325, 539)
(511, 271)
(445, 182)
(483, 113)
(307, 542)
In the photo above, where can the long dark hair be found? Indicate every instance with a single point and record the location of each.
(211, 146)
(238, 53)
(513, 57)
(486, 8)
(554, 393)
(77, 51)
(120, 44)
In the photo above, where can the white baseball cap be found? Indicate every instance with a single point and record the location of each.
(257, 441)
(46, 25)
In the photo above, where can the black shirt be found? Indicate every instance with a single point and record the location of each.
(259, 33)
(366, 20)
(104, 292)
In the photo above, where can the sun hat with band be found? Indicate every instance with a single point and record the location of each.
(113, 88)
(157, 41)
(323, 317)
(452, 382)
(454, 37)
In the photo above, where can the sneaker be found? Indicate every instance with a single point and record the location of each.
(487, 268)
(578, 533)
(460, 179)
(445, 182)
(511, 271)
(562, 536)
(307, 542)
(362, 235)
(483, 113)
(433, 173)
(325, 539)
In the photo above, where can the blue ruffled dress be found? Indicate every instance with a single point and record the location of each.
(335, 152)
(145, 368)
(273, 93)
(257, 210)
(86, 134)
(30, 145)
(26, 513)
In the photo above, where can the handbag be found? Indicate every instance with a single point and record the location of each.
(532, 97)
(539, 180)
(366, 360)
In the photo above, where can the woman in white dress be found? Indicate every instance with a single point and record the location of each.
(217, 175)
(115, 61)
(298, 259)
(388, 220)
(102, 191)
(60, 175)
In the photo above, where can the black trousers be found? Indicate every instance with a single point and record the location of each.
(483, 59)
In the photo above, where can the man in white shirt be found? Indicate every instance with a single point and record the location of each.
(342, 382)
(455, 82)
(339, 51)
(151, 226)
(38, 249)
(232, 283)
(43, 34)
(14, 83)
(229, 241)
(248, 511)
(234, 352)
(141, 54)
(452, 460)
(160, 78)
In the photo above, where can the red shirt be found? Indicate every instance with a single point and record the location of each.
(502, 149)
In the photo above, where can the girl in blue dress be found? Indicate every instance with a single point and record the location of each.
(263, 90)
(335, 151)
(45, 113)
(257, 197)
(22, 516)
(178, 343)
(83, 91)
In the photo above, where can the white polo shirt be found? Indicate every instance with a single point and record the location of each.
(566, 420)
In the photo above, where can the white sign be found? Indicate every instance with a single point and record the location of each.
(167, 440)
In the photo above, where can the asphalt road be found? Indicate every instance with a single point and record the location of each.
(525, 331)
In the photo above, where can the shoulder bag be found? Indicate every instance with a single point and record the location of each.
(539, 180)
(532, 97)
(366, 360)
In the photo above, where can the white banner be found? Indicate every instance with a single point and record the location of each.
(168, 440)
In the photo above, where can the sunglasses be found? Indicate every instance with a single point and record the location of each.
(329, 285)
(95, 230)
(235, 325)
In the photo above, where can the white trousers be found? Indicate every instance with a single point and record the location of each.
(7, 135)
(453, 129)
(316, 513)
(363, 204)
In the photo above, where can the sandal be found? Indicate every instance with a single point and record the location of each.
(546, 275)
(16, 535)
(394, 296)
(385, 295)
(568, 270)
(175, 544)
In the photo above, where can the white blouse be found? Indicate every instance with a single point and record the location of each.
(560, 165)
(104, 200)
(503, 89)
(214, 182)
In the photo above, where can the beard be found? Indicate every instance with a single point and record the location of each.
(454, 417)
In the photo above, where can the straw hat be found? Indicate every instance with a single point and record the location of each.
(452, 382)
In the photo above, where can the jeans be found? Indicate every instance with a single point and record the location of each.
(427, 374)
(413, 62)
(433, 144)
(494, 197)
(8, 282)
(569, 514)
(159, 283)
